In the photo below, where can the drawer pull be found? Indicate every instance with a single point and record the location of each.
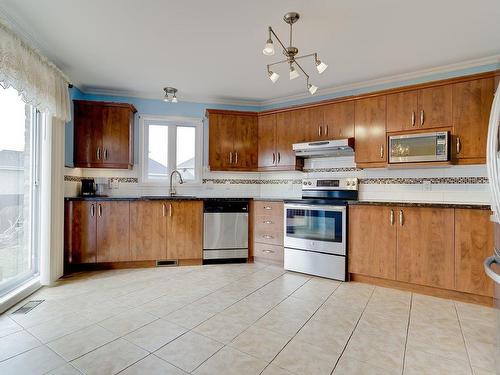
(267, 222)
(268, 208)
(267, 236)
(268, 251)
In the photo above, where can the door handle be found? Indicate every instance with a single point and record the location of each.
(163, 209)
(99, 210)
(319, 130)
(105, 154)
(392, 217)
(274, 157)
(98, 153)
(422, 117)
(412, 118)
(459, 145)
(92, 210)
(279, 157)
(401, 218)
(236, 157)
(230, 157)
(326, 129)
(381, 151)
(170, 210)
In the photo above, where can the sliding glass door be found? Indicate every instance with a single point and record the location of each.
(19, 191)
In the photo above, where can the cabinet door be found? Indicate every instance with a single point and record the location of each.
(315, 129)
(221, 138)
(425, 246)
(185, 230)
(299, 125)
(113, 239)
(245, 143)
(472, 102)
(339, 120)
(80, 232)
(402, 111)
(369, 129)
(435, 107)
(474, 241)
(267, 141)
(88, 150)
(285, 138)
(148, 230)
(372, 248)
(117, 139)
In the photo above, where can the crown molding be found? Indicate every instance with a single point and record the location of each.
(393, 79)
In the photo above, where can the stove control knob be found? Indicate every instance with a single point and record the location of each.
(304, 183)
(309, 183)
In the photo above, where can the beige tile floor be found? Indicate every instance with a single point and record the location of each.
(241, 319)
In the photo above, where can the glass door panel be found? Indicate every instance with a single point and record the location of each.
(314, 224)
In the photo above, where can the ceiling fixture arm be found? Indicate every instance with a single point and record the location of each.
(309, 55)
(271, 31)
(303, 71)
(278, 62)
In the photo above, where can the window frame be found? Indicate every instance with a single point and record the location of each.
(172, 122)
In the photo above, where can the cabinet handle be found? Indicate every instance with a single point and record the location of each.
(92, 210)
(459, 145)
(268, 251)
(413, 118)
(326, 129)
(99, 210)
(274, 157)
(381, 151)
(268, 208)
(267, 222)
(105, 154)
(279, 157)
(163, 209)
(170, 210)
(422, 118)
(98, 153)
(401, 218)
(392, 217)
(267, 236)
(230, 157)
(319, 130)
(236, 158)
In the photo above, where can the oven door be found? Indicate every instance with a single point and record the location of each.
(317, 228)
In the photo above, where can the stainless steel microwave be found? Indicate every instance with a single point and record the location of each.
(420, 147)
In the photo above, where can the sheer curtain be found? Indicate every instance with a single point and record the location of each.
(42, 85)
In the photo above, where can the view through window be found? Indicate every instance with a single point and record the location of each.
(19, 148)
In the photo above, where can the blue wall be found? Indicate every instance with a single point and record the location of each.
(197, 110)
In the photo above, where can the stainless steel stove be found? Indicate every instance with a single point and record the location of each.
(315, 236)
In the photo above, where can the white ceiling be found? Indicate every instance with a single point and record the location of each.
(212, 49)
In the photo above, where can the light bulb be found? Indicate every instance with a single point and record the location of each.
(312, 89)
(174, 99)
(269, 48)
(293, 72)
(166, 98)
(273, 76)
(321, 66)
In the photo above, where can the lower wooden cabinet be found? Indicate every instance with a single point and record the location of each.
(113, 237)
(267, 231)
(432, 247)
(148, 230)
(80, 226)
(185, 230)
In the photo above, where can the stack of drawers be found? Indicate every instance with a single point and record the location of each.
(268, 231)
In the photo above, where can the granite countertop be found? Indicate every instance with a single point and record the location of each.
(422, 204)
(142, 198)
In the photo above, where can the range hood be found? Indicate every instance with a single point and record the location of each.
(319, 149)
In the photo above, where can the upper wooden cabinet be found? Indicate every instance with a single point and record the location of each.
(103, 134)
(370, 133)
(332, 121)
(419, 109)
(233, 143)
(276, 137)
(472, 102)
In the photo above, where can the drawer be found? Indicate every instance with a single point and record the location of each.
(268, 234)
(268, 222)
(269, 209)
(268, 252)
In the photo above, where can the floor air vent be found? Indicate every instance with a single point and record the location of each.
(166, 263)
(28, 306)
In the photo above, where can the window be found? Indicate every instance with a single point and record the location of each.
(19, 190)
(171, 144)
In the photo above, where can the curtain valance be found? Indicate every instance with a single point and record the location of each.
(39, 82)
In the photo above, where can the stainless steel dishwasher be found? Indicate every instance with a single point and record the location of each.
(225, 232)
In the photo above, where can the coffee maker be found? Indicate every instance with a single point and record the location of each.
(88, 187)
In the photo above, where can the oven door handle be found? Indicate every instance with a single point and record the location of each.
(316, 207)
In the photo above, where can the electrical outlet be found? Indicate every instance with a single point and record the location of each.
(427, 185)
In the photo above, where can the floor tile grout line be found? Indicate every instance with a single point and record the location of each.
(353, 330)
(314, 313)
(224, 345)
(463, 337)
(407, 333)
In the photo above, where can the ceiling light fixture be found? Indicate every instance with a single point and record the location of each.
(291, 55)
(173, 92)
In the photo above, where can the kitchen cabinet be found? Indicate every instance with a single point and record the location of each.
(425, 254)
(113, 234)
(148, 230)
(276, 140)
(472, 102)
(300, 120)
(402, 111)
(233, 140)
(370, 132)
(316, 128)
(184, 230)
(80, 226)
(372, 248)
(267, 228)
(474, 241)
(333, 121)
(103, 134)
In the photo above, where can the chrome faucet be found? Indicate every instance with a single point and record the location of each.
(172, 187)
